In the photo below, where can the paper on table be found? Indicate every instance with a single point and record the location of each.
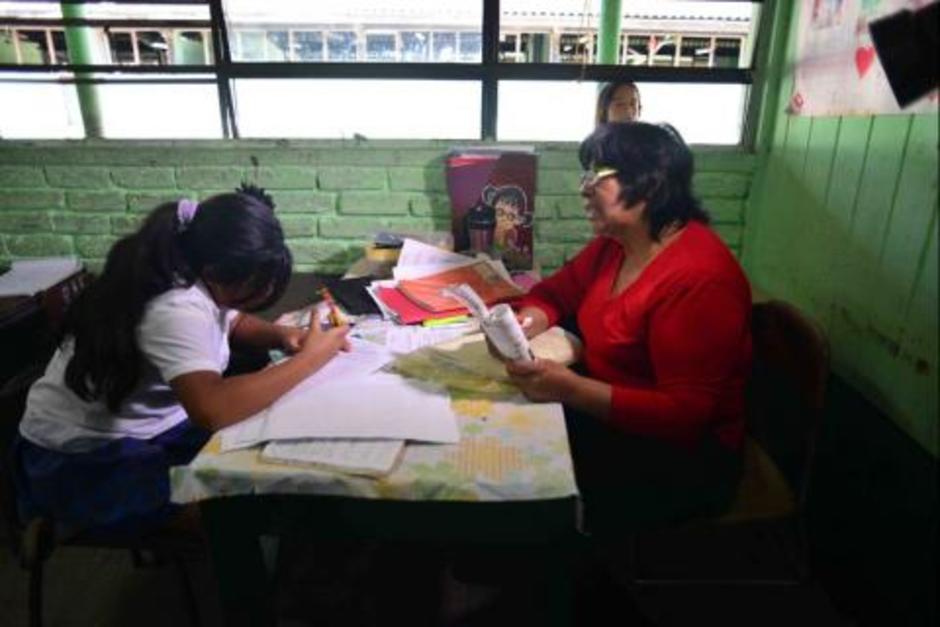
(379, 405)
(415, 253)
(29, 276)
(400, 340)
(360, 456)
(365, 357)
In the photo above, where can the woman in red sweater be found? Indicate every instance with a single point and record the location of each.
(656, 414)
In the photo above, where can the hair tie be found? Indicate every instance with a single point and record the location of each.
(185, 211)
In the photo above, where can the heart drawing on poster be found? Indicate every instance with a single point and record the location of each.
(864, 57)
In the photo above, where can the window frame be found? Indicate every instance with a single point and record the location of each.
(488, 72)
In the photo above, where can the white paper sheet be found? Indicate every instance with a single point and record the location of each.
(378, 405)
(418, 259)
(29, 276)
(406, 339)
(415, 253)
(364, 358)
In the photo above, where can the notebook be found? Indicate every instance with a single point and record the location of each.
(370, 457)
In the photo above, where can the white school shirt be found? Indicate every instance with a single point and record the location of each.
(182, 330)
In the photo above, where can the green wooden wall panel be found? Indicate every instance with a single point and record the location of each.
(813, 265)
(920, 335)
(842, 220)
(914, 370)
(867, 287)
(915, 205)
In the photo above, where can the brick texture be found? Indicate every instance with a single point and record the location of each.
(331, 195)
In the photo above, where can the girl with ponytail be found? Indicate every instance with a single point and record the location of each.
(136, 384)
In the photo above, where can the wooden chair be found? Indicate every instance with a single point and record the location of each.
(786, 396)
(35, 541)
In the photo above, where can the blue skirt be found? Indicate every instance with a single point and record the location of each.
(122, 487)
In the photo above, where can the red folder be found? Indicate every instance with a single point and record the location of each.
(410, 313)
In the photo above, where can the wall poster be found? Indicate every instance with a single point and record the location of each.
(837, 68)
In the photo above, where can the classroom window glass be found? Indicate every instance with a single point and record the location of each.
(415, 46)
(351, 109)
(34, 110)
(663, 35)
(716, 118)
(392, 31)
(341, 46)
(155, 111)
(566, 31)
(308, 45)
(153, 48)
(380, 47)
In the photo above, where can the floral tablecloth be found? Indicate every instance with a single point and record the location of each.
(510, 450)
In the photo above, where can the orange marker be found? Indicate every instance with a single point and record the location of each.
(335, 315)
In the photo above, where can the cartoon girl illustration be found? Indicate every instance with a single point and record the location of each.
(513, 223)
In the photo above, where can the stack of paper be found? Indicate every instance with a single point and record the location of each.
(377, 405)
(359, 457)
(423, 271)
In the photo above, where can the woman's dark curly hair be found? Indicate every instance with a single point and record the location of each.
(653, 164)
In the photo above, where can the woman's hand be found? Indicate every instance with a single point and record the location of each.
(532, 320)
(542, 380)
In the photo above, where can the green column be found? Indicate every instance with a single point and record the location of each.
(608, 33)
(81, 44)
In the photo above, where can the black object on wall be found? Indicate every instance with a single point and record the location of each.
(908, 47)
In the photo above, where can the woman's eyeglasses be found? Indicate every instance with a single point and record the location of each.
(590, 178)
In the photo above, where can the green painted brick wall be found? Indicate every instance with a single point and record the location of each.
(79, 197)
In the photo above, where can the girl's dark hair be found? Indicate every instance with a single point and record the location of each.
(654, 164)
(606, 96)
(233, 239)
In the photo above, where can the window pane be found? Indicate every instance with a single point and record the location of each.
(716, 118)
(471, 46)
(277, 49)
(153, 48)
(34, 48)
(524, 112)
(60, 48)
(728, 52)
(308, 45)
(380, 47)
(566, 31)
(121, 45)
(508, 48)
(251, 46)
(445, 47)
(375, 109)
(638, 50)
(189, 48)
(414, 46)
(174, 111)
(695, 52)
(396, 31)
(39, 111)
(341, 46)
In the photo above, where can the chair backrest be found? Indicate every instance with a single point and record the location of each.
(787, 391)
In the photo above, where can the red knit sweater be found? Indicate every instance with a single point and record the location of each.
(675, 344)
